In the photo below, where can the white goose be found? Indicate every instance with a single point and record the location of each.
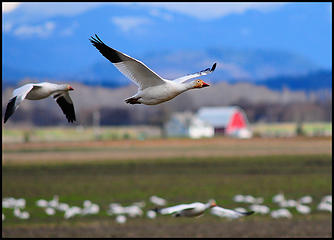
(228, 213)
(37, 91)
(153, 89)
(158, 200)
(187, 210)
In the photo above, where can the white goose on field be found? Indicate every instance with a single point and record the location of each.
(158, 201)
(153, 89)
(229, 213)
(187, 210)
(37, 91)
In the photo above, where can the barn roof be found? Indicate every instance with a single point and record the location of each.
(218, 116)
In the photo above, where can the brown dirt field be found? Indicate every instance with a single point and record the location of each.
(161, 148)
(186, 228)
(305, 226)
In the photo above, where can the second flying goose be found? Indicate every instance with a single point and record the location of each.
(37, 91)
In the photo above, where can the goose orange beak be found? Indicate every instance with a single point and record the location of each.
(205, 85)
(70, 88)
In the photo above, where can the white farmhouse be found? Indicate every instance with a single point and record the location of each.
(187, 125)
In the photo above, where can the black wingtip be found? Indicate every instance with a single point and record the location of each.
(95, 40)
(92, 39)
(67, 108)
(249, 213)
(98, 39)
(213, 67)
(10, 109)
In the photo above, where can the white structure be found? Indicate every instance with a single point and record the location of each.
(187, 125)
(231, 121)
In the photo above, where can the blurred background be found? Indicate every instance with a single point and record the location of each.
(263, 127)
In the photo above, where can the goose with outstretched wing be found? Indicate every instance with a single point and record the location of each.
(37, 91)
(153, 89)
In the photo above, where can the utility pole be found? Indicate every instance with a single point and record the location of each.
(96, 124)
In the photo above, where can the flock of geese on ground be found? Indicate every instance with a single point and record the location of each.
(121, 213)
(152, 89)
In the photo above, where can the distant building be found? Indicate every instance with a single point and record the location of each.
(187, 125)
(230, 121)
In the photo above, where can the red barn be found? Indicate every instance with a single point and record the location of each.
(230, 121)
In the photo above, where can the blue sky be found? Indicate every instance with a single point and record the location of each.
(137, 28)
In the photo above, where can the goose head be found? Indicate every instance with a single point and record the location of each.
(69, 88)
(64, 87)
(212, 203)
(198, 83)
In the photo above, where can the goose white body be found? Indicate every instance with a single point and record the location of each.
(228, 213)
(187, 210)
(161, 93)
(37, 90)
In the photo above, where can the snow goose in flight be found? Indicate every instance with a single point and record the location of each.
(153, 89)
(187, 210)
(37, 91)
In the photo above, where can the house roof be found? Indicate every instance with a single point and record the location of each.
(218, 116)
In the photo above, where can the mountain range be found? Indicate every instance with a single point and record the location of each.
(244, 46)
(260, 68)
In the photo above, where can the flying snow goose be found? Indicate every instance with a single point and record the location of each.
(37, 91)
(153, 89)
(228, 213)
(187, 210)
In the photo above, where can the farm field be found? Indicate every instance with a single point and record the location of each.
(289, 129)
(179, 170)
(152, 149)
(80, 133)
